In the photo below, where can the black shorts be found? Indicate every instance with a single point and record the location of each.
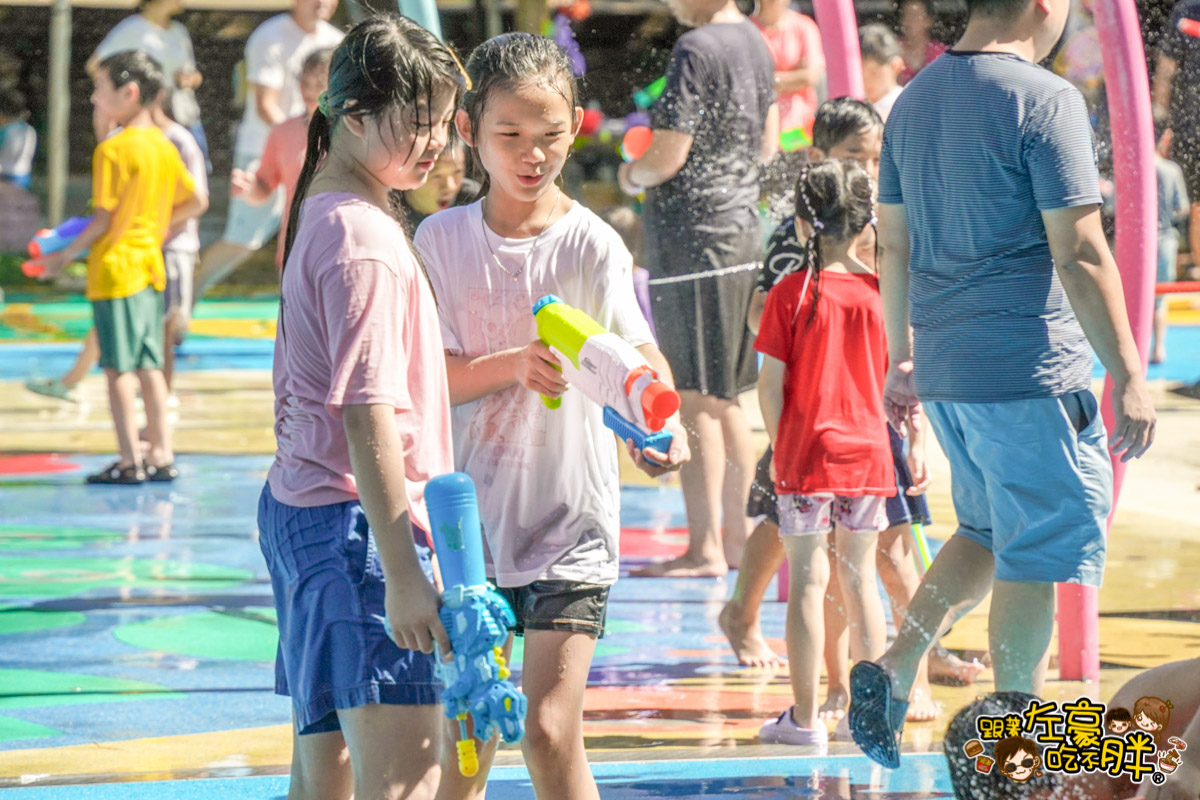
(701, 327)
(762, 491)
(559, 606)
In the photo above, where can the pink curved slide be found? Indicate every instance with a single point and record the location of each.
(1128, 91)
(839, 39)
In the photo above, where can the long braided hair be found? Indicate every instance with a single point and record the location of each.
(835, 198)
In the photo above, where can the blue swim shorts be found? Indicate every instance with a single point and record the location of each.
(1032, 482)
(328, 587)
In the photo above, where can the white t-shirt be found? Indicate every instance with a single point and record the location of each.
(884, 104)
(275, 52)
(549, 490)
(188, 239)
(18, 144)
(171, 47)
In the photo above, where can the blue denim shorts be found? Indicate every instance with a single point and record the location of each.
(328, 586)
(1031, 482)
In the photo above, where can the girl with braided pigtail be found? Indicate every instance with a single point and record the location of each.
(821, 392)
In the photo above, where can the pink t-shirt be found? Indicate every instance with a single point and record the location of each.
(357, 325)
(795, 42)
(282, 161)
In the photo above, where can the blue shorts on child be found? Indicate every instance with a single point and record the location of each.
(334, 652)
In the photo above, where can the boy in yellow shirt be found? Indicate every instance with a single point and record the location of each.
(140, 190)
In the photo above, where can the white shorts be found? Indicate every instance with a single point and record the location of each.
(247, 225)
(804, 515)
(181, 269)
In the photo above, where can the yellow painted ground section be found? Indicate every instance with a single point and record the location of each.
(1154, 557)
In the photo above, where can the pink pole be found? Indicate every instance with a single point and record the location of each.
(843, 67)
(839, 38)
(1128, 90)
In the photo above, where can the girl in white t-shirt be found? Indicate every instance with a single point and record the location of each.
(547, 480)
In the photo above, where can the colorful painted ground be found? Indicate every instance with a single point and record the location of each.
(137, 630)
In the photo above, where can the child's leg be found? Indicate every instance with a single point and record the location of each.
(855, 565)
(320, 767)
(553, 678)
(158, 428)
(395, 751)
(702, 479)
(84, 362)
(739, 618)
(808, 566)
(739, 473)
(893, 559)
(837, 643)
(122, 397)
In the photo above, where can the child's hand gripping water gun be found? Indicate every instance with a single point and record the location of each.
(477, 620)
(610, 372)
(51, 240)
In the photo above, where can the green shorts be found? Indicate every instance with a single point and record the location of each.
(130, 330)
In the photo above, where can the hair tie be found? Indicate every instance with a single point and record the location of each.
(323, 104)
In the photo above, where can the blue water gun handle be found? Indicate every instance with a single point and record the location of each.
(642, 440)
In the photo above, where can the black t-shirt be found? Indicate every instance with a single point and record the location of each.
(719, 88)
(1185, 50)
(785, 255)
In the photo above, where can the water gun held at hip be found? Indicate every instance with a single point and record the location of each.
(49, 241)
(477, 619)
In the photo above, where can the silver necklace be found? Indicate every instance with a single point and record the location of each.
(532, 247)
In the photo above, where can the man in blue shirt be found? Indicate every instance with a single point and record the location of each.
(991, 247)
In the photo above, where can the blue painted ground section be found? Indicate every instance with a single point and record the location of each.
(207, 519)
(51, 359)
(923, 776)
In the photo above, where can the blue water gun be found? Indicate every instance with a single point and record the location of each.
(51, 240)
(477, 619)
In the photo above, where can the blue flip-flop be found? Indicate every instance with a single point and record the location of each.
(876, 719)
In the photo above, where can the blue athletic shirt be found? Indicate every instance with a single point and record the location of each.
(977, 145)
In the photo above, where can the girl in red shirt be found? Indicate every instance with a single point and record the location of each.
(821, 392)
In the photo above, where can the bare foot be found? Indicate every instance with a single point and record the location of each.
(835, 703)
(947, 669)
(683, 567)
(921, 707)
(746, 639)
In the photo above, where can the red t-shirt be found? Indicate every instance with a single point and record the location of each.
(832, 433)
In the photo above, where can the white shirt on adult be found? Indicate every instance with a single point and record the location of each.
(884, 104)
(171, 47)
(275, 52)
(547, 481)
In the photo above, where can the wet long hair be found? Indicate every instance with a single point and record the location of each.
(834, 197)
(506, 62)
(386, 62)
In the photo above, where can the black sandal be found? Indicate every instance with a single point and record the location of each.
(115, 474)
(163, 474)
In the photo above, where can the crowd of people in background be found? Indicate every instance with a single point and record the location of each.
(868, 230)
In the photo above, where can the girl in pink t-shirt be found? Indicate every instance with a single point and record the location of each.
(362, 422)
